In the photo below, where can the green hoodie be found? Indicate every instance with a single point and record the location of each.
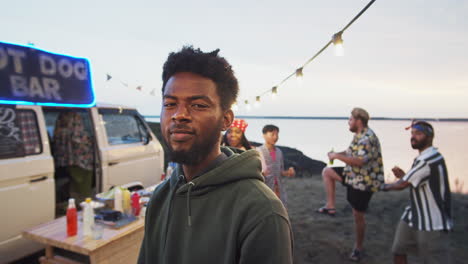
(226, 215)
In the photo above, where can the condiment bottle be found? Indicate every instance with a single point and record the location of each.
(135, 204)
(127, 208)
(88, 218)
(72, 219)
(118, 199)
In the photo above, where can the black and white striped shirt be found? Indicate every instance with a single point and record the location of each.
(430, 208)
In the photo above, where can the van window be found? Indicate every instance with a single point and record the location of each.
(19, 133)
(123, 129)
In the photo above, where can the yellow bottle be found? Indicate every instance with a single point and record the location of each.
(127, 209)
(331, 161)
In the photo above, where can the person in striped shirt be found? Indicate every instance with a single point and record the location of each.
(426, 222)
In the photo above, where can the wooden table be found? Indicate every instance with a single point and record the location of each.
(116, 245)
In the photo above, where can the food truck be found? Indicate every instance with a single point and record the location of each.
(38, 91)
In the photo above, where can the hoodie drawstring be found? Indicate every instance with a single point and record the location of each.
(191, 184)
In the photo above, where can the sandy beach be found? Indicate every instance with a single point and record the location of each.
(324, 239)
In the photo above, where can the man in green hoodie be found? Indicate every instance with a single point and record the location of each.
(214, 208)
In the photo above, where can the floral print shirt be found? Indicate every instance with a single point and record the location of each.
(370, 176)
(72, 145)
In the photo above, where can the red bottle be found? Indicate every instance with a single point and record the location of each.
(72, 219)
(135, 204)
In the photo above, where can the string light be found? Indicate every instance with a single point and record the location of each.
(274, 92)
(235, 106)
(299, 77)
(336, 40)
(247, 105)
(338, 43)
(257, 102)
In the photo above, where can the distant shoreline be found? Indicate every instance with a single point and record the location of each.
(341, 118)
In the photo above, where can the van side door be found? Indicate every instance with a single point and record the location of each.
(26, 178)
(130, 153)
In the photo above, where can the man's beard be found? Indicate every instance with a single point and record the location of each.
(419, 144)
(199, 150)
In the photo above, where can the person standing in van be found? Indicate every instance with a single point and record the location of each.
(73, 153)
(215, 207)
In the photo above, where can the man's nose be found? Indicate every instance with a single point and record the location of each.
(181, 114)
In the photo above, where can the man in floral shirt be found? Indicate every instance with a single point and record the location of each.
(362, 175)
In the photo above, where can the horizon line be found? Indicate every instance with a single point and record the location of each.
(445, 119)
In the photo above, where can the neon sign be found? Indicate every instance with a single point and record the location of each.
(29, 75)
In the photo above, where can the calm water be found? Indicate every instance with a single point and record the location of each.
(316, 137)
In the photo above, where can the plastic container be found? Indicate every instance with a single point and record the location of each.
(98, 231)
(88, 218)
(143, 211)
(126, 203)
(72, 218)
(118, 199)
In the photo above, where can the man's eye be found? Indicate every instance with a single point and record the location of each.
(168, 104)
(199, 106)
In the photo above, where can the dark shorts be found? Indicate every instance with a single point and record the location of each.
(358, 199)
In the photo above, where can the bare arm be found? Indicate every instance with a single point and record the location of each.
(352, 161)
(396, 186)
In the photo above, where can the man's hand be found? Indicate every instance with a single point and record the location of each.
(398, 172)
(289, 172)
(331, 155)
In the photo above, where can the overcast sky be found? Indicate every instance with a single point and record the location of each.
(402, 58)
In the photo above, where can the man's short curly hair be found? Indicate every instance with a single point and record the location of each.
(208, 65)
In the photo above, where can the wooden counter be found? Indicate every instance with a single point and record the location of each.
(116, 245)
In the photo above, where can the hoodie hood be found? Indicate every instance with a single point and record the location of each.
(242, 166)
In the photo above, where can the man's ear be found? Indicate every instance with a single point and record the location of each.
(228, 117)
(361, 124)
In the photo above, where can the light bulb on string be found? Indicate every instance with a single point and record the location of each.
(299, 77)
(274, 92)
(338, 43)
(235, 106)
(257, 102)
(247, 105)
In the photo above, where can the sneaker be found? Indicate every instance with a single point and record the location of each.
(356, 255)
